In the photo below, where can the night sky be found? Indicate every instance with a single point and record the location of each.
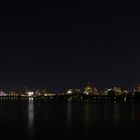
(60, 45)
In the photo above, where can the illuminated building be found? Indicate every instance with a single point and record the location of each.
(117, 90)
(43, 93)
(13, 93)
(30, 93)
(37, 93)
(110, 92)
(49, 94)
(2, 93)
(90, 90)
(73, 91)
(125, 92)
(69, 92)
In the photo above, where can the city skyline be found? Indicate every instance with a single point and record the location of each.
(89, 85)
(69, 70)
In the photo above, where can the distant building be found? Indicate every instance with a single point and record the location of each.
(30, 93)
(90, 90)
(2, 93)
(117, 90)
(43, 93)
(73, 91)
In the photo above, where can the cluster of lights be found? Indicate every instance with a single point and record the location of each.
(89, 90)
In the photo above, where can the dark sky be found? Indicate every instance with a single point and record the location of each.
(60, 45)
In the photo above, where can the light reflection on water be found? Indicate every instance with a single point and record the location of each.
(31, 116)
(132, 112)
(116, 114)
(83, 119)
(69, 113)
(87, 114)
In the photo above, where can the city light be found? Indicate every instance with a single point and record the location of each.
(113, 94)
(30, 93)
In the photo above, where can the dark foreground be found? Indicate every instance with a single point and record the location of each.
(68, 120)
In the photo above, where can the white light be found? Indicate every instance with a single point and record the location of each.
(70, 91)
(30, 93)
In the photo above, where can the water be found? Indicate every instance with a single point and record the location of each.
(68, 120)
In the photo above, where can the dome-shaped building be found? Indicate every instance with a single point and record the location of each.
(90, 90)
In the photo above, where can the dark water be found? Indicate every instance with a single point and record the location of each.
(68, 120)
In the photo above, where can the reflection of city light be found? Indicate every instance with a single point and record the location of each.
(31, 98)
(69, 114)
(125, 99)
(31, 115)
